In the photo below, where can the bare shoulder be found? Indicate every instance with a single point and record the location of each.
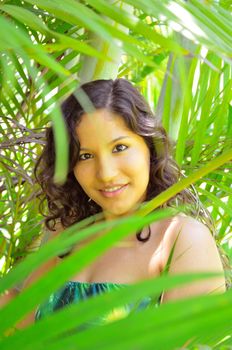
(194, 248)
(186, 227)
(50, 234)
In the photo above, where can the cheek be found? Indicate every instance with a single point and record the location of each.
(138, 161)
(81, 175)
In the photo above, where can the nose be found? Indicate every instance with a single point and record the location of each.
(107, 169)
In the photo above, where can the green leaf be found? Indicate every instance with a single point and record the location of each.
(74, 263)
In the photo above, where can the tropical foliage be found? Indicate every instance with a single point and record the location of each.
(179, 54)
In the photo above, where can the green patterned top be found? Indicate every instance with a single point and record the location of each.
(74, 291)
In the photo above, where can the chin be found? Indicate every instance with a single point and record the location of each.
(119, 212)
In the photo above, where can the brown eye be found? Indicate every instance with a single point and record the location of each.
(85, 156)
(120, 148)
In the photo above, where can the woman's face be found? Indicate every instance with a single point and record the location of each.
(114, 163)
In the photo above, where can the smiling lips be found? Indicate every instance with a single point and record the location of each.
(113, 191)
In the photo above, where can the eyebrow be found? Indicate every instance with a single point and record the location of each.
(113, 141)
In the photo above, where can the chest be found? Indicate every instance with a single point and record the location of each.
(127, 262)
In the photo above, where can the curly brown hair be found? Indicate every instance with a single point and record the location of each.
(68, 202)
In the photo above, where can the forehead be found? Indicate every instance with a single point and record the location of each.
(101, 126)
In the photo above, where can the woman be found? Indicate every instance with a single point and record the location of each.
(119, 157)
